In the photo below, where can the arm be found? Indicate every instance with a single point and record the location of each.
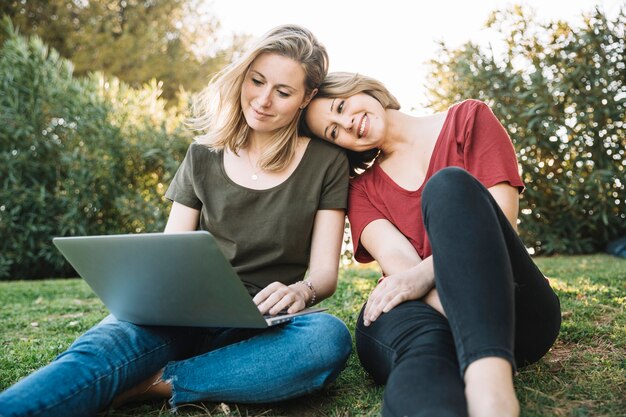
(507, 198)
(182, 219)
(323, 268)
(409, 278)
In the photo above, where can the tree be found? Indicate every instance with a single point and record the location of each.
(174, 41)
(78, 156)
(560, 93)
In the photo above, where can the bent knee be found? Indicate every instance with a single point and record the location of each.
(447, 180)
(333, 339)
(329, 346)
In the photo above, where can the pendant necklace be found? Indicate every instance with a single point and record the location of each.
(255, 174)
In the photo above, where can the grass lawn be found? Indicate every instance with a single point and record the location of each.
(583, 375)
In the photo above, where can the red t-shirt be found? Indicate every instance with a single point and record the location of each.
(471, 138)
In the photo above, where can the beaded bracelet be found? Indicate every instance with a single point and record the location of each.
(310, 286)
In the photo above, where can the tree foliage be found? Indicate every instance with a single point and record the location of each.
(78, 156)
(174, 41)
(560, 92)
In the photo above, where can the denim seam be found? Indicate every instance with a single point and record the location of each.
(92, 382)
(380, 344)
(458, 342)
(466, 359)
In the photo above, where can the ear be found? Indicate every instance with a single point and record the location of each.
(308, 99)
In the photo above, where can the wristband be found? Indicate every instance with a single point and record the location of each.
(310, 286)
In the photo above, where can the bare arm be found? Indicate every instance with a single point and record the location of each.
(407, 276)
(323, 268)
(325, 251)
(182, 219)
(410, 278)
(507, 198)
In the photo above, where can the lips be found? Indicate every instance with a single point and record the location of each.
(363, 126)
(260, 114)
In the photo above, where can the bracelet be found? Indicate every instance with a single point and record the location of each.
(310, 286)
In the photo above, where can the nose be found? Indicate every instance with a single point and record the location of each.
(264, 99)
(347, 122)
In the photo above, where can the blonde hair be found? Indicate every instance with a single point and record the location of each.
(217, 110)
(347, 84)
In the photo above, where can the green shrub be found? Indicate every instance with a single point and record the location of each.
(77, 157)
(560, 93)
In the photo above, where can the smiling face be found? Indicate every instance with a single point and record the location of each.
(355, 123)
(272, 92)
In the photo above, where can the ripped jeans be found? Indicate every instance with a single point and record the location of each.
(202, 364)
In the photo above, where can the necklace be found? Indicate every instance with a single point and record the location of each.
(255, 174)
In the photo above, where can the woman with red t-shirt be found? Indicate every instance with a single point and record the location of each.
(434, 200)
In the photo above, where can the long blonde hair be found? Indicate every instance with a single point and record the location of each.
(347, 84)
(217, 110)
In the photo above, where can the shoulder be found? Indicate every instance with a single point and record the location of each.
(362, 181)
(199, 150)
(199, 156)
(197, 147)
(469, 106)
(322, 146)
(327, 151)
(471, 112)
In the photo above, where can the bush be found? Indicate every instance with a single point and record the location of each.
(77, 157)
(560, 93)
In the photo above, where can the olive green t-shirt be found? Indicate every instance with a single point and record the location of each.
(265, 234)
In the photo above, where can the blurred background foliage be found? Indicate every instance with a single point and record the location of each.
(174, 41)
(93, 98)
(560, 93)
(77, 156)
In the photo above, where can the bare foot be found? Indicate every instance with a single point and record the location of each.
(489, 388)
(153, 387)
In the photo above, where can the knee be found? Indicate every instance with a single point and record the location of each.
(328, 346)
(105, 344)
(335, 341)
(447, 182)
(451, 192)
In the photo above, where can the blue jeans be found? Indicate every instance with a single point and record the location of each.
(497, 303)
(202, 364)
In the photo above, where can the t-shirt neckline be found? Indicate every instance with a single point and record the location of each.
(275, 187)
(418, 191)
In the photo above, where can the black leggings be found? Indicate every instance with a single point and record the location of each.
(497, 302)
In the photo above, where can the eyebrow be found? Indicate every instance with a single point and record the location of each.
(287, 86)
(332, 104)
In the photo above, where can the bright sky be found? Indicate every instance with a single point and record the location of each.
(390, 39)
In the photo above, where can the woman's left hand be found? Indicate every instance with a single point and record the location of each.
(390, 292)
(277, 297)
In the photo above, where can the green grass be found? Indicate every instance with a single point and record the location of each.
(583, 375)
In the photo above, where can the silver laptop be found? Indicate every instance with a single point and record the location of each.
(173, 279)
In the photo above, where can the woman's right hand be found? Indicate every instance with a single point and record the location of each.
(408, 276)
(391, 291)
(277, 297)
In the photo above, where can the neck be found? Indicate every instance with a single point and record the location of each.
(256, 142)
(402, 132)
